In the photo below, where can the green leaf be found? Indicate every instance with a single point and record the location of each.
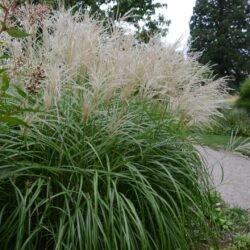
(5, 56)
(13, 120)
(20, 92)
(2, 6)
(23, 94)
(29, 110)
(16, 33)
(5, 82)
(2, 70)
(3, 25)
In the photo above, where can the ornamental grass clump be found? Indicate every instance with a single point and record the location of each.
(124, 179)
(75, 51)
(104, 162)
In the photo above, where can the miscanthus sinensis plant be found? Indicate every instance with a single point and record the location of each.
(105, 164)
(126, 179)
(77, 52)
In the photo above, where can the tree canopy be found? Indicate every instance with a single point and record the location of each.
(143, 13)
(220, 29)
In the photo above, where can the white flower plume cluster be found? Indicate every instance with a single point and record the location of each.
(78, 52)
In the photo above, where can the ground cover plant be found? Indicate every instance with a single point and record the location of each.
(234, 223)
(104, 162)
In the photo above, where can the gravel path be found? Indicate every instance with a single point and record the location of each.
(231, 175)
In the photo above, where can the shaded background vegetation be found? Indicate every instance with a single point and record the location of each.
(221, 31)
(142, 14)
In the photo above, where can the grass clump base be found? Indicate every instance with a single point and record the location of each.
(123, 179)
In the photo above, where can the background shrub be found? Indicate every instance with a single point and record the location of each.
(235, 120)
(244, 97)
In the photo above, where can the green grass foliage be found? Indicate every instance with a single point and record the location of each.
(122, 179)
(96, 156)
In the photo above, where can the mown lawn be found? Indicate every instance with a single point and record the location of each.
(218, 141)
(214, 141)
